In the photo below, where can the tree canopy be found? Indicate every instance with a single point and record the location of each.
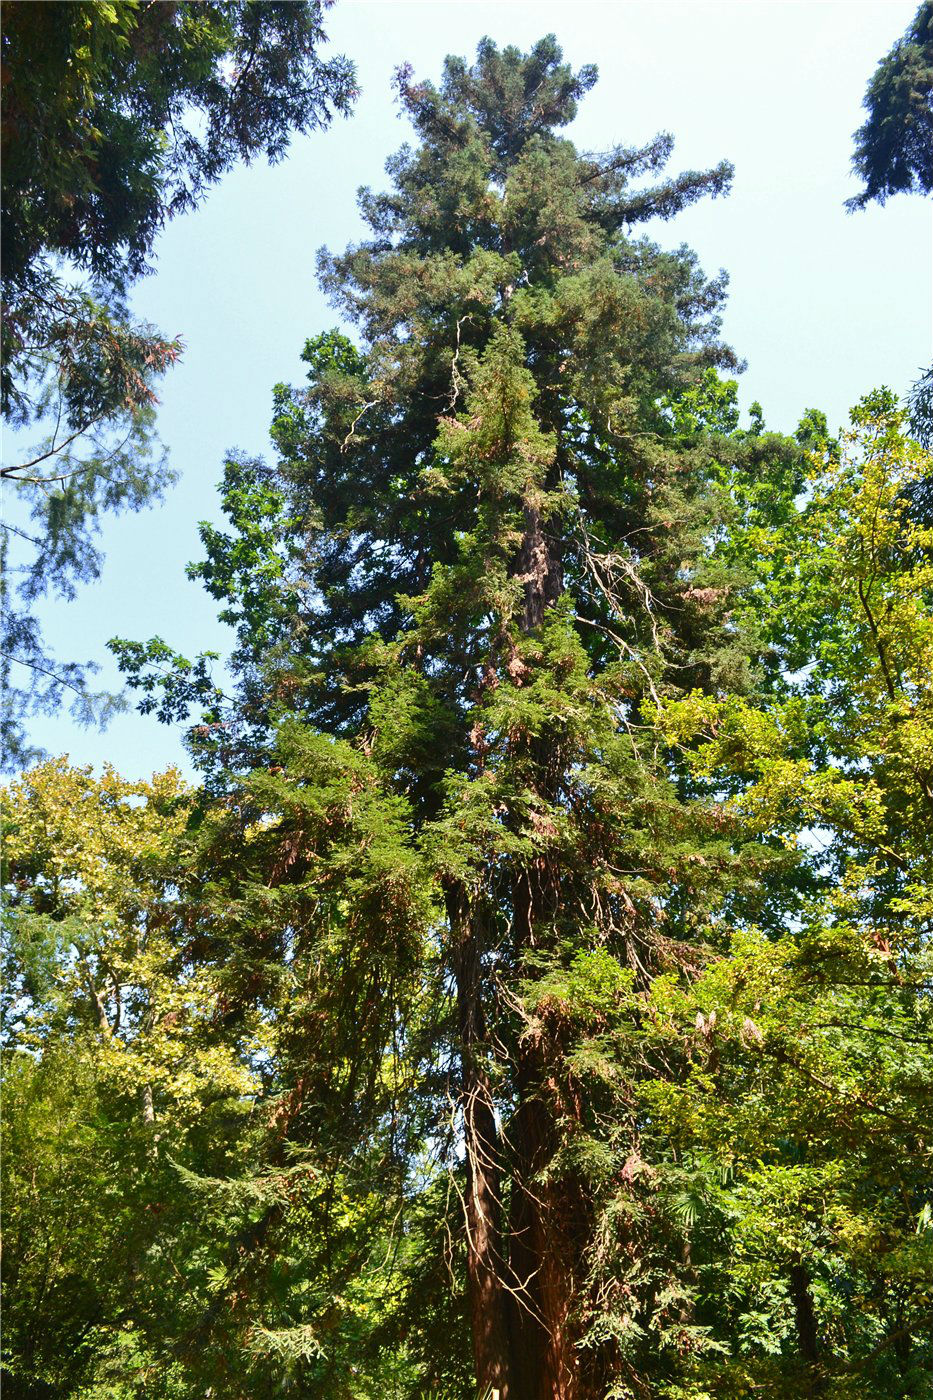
(119, 116)
(533, 1000)
(514, 540)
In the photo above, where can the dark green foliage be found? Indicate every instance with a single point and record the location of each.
(116, 117)
(99, 142)
(501, 530)
(894, 149)
(921, 409)
(894, 154)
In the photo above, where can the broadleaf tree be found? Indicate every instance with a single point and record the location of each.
(117, 1080)
(819, 1047)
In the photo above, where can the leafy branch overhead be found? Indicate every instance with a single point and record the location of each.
(116, 118)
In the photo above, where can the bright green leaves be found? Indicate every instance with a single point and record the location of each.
(250, 570)
(250, 566)
(93, 918)
(708, 406)
(115, 1064)
(806, 1071)
(213, 1103)
(591, 988)
(811, 1051)
(414, 733)
(850, 606)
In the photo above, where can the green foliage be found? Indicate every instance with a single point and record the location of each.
(921, 415)
(894, 155)
(507, 521)
(112, 1069)
(815, 1065)
(894, 149)
(116, 117)
(99, 144)
(168, 1153)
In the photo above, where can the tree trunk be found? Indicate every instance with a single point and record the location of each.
(148, 1111)
(805, 1318)
(544, 1234)
(542, 1255)
(538, 569)
(482, 1204)
(544, 1215)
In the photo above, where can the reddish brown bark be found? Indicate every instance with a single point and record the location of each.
(482, 1202)
(542, 1261)
(545, 1215)
(545, 1224)
(538, 569)
(520, 1312)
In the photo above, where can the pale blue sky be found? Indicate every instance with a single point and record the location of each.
(823, 305)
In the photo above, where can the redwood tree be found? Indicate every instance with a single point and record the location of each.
(495, 540)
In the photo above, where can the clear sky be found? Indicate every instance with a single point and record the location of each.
(823, 305)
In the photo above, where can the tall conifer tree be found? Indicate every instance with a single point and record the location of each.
(493, 543)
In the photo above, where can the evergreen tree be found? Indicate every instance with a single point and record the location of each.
(494, 542)
(894, 148)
